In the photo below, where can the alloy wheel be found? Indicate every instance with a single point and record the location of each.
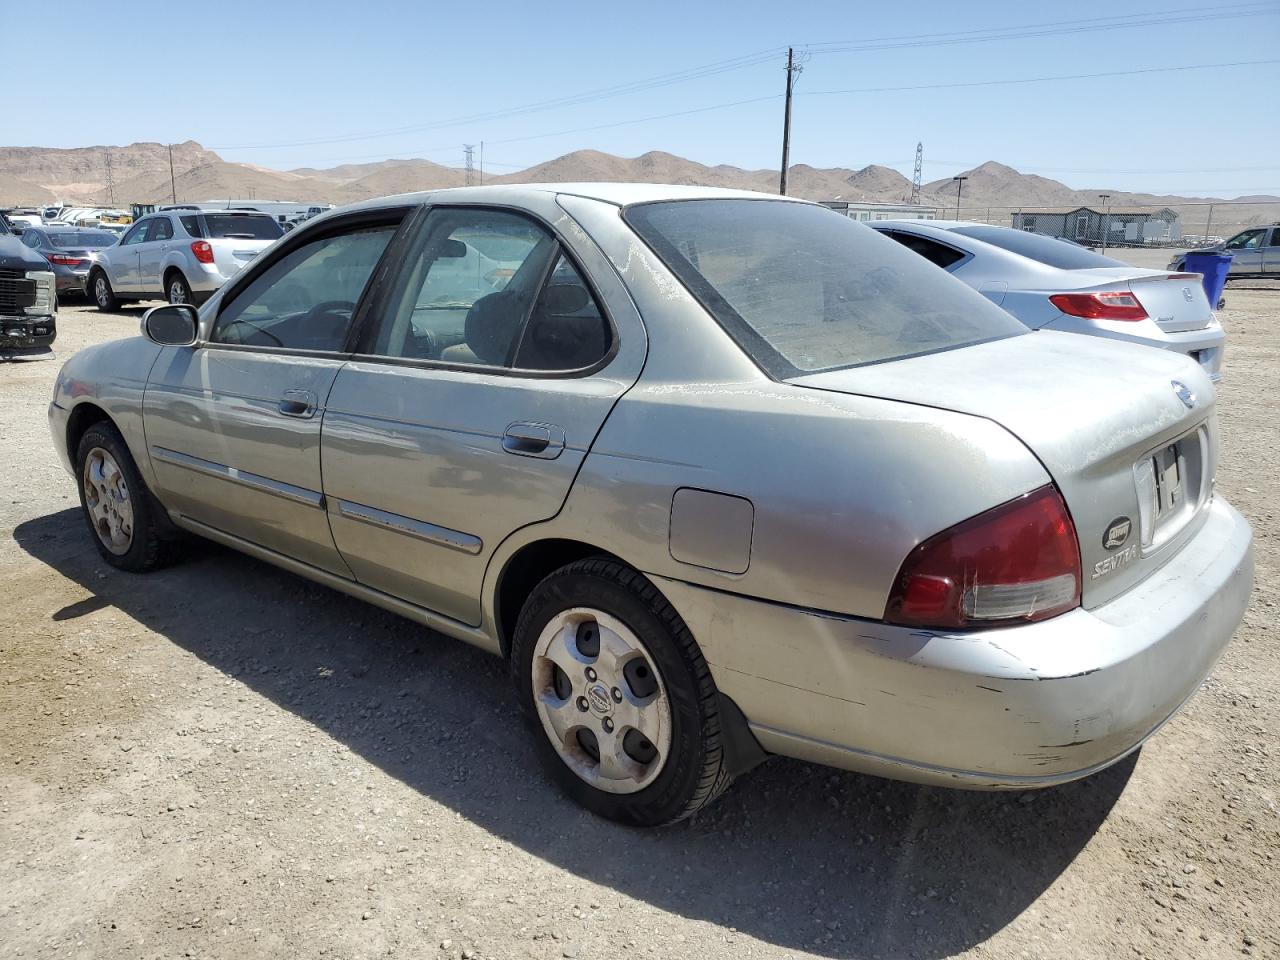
(601, 701)
(106, 497)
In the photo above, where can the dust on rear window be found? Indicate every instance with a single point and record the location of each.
(241, 226)
(802, 289)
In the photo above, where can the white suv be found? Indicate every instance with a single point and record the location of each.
(182, 256)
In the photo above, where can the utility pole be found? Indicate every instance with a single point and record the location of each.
(468, 151)
(915, 179)
(1208, 223)
(1106, 220)
(111, 182)
(173, 183)
(482, 163)
(792, 70)
(959, 184)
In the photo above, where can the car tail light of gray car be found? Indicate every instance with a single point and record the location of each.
(202, 250)
(1016, 563)
(62, 260)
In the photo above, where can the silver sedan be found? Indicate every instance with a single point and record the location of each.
(1052, 284)
(720, 474)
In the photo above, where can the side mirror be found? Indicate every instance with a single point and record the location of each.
(173, 325)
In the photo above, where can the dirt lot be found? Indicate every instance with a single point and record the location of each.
(223, 760)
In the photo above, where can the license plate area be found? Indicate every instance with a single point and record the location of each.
(1172, 487)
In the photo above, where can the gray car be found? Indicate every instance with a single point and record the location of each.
(180, 255)
(1052, 284)
(70, 252)
(720, 474)
(1254, 252)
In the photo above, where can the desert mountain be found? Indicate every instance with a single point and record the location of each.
(140, 172)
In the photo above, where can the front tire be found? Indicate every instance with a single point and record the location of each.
(101, 292)
(624, 708)
(121, 513)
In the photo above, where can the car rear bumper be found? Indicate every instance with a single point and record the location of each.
(1012, 708)
(1205, 345)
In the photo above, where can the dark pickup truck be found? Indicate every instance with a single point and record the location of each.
(28, 300)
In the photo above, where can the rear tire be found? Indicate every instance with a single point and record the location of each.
(176, 288)
(658, 767)
(123, 517)
(101, 293)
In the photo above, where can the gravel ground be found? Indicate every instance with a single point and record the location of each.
(223, 760)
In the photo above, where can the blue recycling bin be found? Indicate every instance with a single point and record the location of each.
(1213, 268)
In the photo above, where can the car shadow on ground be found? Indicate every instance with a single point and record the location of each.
(800, 856)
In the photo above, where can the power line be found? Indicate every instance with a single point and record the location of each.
(1025, 31)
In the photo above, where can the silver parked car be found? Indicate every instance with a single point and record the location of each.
(720, 474)
(182, 256)
(1254, 253)
(1051, 284)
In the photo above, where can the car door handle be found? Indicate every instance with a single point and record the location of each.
(533, 440)
(297, 403)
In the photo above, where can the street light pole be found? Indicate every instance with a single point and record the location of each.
(959, 184)
(1106, 222)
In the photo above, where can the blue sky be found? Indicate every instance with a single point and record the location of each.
(254, 80)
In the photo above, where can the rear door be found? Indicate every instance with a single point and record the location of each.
(233, 424)
(473, 400)
(1271, 255)
(151, 253)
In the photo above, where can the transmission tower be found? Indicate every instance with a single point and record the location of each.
(915, 179)
(468, 150)
(111, 181)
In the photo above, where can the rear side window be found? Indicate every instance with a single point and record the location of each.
(241, 226)
(1035, 246)
(936, 253)
(803, 289)
(161, 229)
(191, 224)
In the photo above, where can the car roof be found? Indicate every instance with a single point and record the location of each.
(619, 194)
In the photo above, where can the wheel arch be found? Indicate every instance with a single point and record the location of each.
(525, 569)
(81, 418)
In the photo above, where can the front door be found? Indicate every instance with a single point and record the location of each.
(151, 253)
(1246, 250)
(473, 400)
(233, 424)
(122, 259)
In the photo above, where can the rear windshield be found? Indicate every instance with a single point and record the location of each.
(1036, 246)
(802, 289)
(242, 226)
(83, 238)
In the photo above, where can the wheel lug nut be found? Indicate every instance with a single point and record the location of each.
(617, 695)
(607, 724)
(582, 704)
(591, 675)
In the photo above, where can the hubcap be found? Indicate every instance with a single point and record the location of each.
(177, 293)
(601, 700)
(106, 497)
(100, 290)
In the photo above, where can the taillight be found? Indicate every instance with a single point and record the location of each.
(1016, 563)
(64, 261)
(203, 251)
(1109, 305)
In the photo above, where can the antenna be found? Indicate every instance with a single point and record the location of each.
(915, 179)
(111, 181)
(469, 151)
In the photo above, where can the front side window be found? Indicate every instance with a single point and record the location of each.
(1249, 240)
(491, 288)
(136, 234)
(306, 299)
(803, 289)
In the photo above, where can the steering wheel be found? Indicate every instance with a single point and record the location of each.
(331, 306)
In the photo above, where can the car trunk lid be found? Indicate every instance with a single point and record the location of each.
(1127, 433)
(1175, 301)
